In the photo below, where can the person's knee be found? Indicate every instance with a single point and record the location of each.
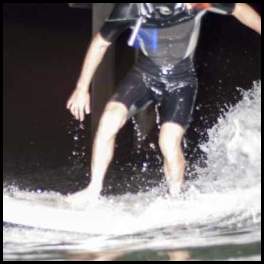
(170, 141)
(113, 118)
(169, 148)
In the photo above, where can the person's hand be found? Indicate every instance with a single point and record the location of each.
(79, 104)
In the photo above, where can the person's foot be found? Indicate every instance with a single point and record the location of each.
(175, 188)
(83, 197)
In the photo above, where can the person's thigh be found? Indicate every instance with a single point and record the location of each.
(133, 93)
(178, 104)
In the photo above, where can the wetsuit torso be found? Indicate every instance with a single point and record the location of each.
(167, 40)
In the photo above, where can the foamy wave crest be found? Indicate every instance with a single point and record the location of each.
(221, 207)
(234, 146)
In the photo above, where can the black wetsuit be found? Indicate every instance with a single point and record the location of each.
(164, 72)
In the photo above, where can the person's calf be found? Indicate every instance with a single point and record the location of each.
(174, 162)
(174, 173)
(112, 120)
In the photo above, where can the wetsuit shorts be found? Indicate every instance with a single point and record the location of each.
(173, 88)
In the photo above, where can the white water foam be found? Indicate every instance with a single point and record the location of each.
(224, 200)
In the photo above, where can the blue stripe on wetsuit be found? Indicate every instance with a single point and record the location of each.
(150, 38)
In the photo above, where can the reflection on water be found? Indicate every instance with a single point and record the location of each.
(135, 256)
(217, 218)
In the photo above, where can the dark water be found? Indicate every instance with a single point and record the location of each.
(44, 46)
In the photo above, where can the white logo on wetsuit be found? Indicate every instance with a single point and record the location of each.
(180, 7)
(164, 10)
(167, 11)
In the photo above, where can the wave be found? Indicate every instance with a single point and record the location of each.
(222, 206)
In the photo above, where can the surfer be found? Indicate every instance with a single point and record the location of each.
(166, 35)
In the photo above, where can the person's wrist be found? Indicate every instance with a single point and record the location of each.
(82, 87)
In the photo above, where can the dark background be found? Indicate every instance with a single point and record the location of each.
(44, 47)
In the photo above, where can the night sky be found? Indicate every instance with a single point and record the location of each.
(44, 47)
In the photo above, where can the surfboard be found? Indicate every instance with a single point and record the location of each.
(44, 215)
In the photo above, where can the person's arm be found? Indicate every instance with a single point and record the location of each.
(112, 28)
(248, 16)
(79, 102)
(241, 11)
(94, 57)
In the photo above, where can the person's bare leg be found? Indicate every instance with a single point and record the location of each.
(171, 135)
(112, 120)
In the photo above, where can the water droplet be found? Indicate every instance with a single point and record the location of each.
(152, 146)
(157, 115)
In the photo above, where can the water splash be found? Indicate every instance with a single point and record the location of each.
(79, 150)
(221, 207)
(234, 147)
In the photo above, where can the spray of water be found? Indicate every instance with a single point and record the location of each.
(79, 149)
(222, 206)
(234, 149)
